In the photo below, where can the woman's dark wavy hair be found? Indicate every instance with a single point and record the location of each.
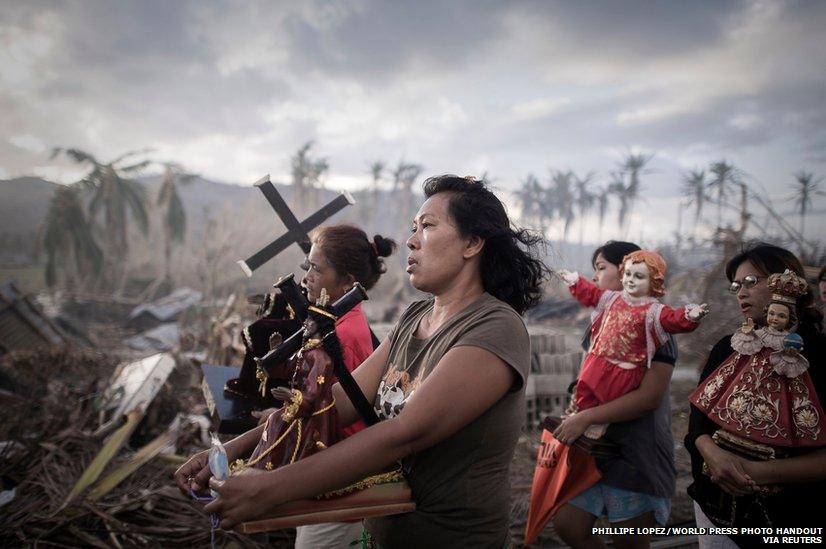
(512, 270)
(770, 259)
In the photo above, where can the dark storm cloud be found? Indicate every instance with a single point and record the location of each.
(390, 38)
(140, 59)
(635, 28)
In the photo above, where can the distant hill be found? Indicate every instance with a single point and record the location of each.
(24, 204)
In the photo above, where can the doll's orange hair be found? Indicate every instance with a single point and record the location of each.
(656, 269)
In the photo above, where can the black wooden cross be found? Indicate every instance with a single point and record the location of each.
(297, 231)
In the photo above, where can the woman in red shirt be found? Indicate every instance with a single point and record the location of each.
(340, 256)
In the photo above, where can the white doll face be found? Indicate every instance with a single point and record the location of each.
(635, 279)
(777, 316)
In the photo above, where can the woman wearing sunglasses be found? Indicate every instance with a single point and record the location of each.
(731, 483)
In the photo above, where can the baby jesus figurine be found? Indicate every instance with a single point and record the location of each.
(763, 392)
(627, 327)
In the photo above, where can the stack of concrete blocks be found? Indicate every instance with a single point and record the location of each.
(553, 368)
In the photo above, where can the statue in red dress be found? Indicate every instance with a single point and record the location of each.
(627, 327)
(762, 396)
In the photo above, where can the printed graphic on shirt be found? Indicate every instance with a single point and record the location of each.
(394, 391)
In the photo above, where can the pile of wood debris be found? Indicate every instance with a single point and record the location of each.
(68, 480)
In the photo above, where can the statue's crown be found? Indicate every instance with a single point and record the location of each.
(787, 287)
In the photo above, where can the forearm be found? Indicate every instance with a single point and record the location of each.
(810, 467)
(621, 409)
(347, 413)
(242, 446)
(643, 400)
(354, 458)
(435, 412)
(705, 445)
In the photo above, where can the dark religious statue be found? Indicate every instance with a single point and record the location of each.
(307, 423)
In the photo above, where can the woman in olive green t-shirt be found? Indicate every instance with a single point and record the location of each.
(448, 383)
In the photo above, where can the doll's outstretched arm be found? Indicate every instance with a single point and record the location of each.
(584, 291)
(682, 319)
(568, 277)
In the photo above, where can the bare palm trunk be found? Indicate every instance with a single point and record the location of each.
(168, 261)
(581, 231)
(744, 210)
(679, 227)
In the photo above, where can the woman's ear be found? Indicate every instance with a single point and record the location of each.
(348, 282)
(473, 246)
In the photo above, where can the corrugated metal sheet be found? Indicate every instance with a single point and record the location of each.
(168, 307)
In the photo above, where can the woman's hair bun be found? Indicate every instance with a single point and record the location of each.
(384, 246)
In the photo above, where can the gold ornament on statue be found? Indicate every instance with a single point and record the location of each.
(292, 408)
(787, 287)
(261, 376)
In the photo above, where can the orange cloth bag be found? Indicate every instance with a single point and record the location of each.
(562, 472)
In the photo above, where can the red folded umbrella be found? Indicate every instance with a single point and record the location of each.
(562, 472)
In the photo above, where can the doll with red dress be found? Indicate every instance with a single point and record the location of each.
(762, 396)
(627, 327)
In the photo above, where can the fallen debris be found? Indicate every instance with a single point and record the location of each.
(23, 325)
(112, 446)
(51, 445)
(135, 385)
(161, 338)
(163, 310)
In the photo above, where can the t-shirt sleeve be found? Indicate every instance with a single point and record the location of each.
(667, 352)
(503, 333)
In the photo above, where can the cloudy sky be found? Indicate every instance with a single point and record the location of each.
(231, 89)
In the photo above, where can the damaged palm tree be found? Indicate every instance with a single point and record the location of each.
(72, 254)
(121, 202)
(172, 212)
(306, 175)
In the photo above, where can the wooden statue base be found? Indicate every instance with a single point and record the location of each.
(376, 501)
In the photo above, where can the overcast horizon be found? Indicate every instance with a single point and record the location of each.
(231, 90)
